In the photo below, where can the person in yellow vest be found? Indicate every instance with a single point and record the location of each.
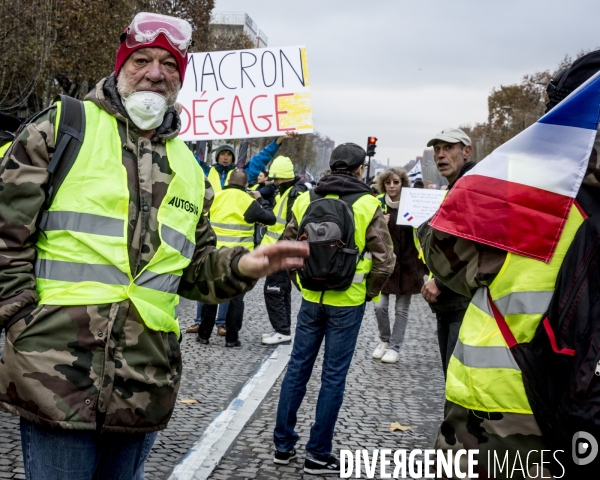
(333, 316)
(487, 408)
(233, 215)
(278, 286)
(219, 173)
(92, 361)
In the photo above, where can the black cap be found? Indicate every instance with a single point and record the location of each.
(568, 79)
(9, 123)
(347, 156)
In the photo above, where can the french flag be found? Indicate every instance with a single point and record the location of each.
(518, 197)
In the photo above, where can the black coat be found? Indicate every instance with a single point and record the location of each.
(407, 278)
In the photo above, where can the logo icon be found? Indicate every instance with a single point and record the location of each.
(585, 448)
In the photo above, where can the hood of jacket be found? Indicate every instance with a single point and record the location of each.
(341, 184)
(106, 96)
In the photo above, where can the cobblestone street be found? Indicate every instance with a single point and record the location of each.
(410, 392)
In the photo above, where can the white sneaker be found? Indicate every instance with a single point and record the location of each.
(267, 334)
(380, 350)
(390, 356)
(276, 338)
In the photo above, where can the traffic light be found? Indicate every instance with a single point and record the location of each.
(371, 145)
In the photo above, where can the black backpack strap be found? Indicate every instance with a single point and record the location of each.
(71, 130)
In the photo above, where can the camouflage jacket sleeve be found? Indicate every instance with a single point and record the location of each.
(460, 264)
(212, 276)
(379, 243)
(22, 176)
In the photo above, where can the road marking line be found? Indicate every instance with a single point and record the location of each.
(207, 452)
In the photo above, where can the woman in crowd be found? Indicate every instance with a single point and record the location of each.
(407, 278)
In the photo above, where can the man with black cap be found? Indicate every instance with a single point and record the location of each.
(335, 316)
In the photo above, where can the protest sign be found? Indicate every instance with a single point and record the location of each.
(261, 92)
(418, 205)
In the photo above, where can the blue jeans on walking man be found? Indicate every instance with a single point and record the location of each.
(339, 326)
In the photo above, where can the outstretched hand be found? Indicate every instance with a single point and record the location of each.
(287, 136)
(272, 258)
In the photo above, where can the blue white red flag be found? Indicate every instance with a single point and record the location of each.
(518, 197)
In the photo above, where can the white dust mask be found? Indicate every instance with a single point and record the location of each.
(146, 109)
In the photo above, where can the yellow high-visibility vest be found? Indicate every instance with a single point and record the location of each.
(82, 258)
(227, 219)
(4, 148)
(274, 232)
(482, 373)
(215, 179)
(363, 209)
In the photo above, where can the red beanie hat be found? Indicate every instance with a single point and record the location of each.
(160, 41)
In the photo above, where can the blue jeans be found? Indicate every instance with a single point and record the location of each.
(221, 316)
(339, 326)
(83, 455)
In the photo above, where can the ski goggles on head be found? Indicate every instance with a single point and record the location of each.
(145, 27)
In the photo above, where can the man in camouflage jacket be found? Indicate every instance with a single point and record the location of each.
(99, 368)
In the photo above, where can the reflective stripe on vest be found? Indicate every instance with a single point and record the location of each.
(482, 373)
(82, 257)
(215, 179)
(227, 219)
(274, 232)
(364, 209)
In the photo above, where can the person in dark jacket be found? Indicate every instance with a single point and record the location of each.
(452, 148)
(266, 187)
(407, 279)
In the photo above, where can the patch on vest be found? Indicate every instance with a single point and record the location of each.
(184, 204)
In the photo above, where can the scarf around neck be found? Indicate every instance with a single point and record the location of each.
(391, 204)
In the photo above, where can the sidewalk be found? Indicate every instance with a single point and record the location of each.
(410, 392)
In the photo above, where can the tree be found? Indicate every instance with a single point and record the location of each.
(67, 46)
(511, 109)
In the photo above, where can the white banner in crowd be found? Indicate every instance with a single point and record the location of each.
(261, 92)
(418, 205)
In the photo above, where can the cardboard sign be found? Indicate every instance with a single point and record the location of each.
(261, 92)
(418, 205)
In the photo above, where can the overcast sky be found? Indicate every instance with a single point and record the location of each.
(402, 70)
